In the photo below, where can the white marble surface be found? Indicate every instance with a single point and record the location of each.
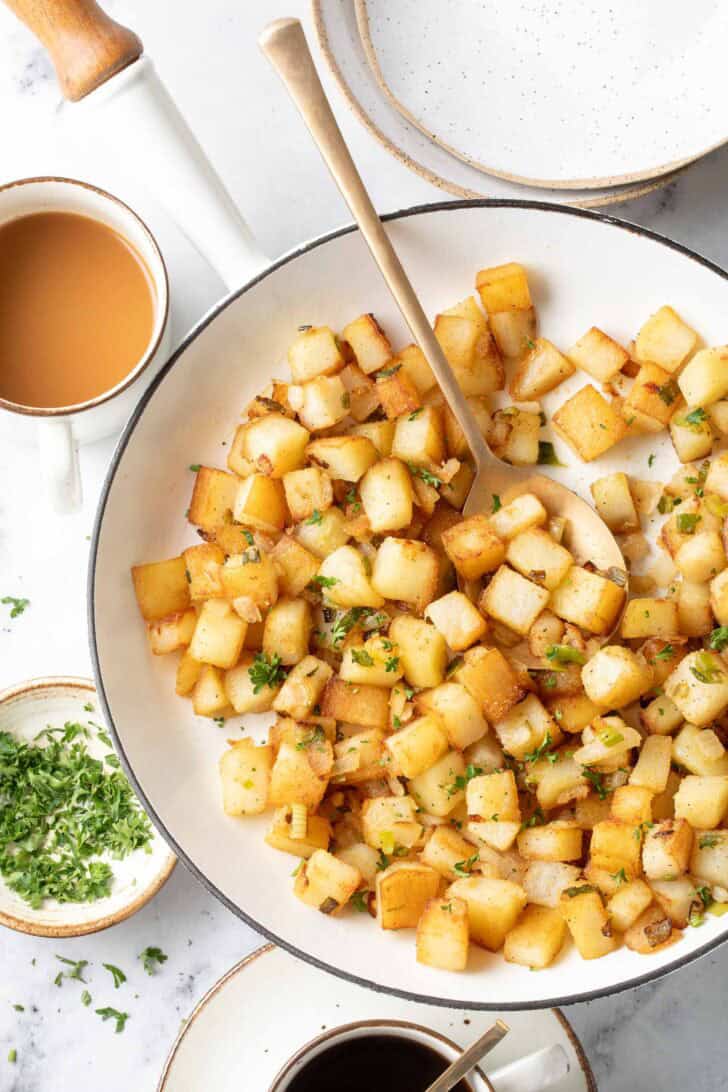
(669, 1035)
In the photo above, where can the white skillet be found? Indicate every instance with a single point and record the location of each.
(585, 269)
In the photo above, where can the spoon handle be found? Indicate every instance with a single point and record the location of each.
(470, 1058)
(285, 46)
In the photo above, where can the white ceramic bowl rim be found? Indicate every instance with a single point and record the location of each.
(126, 436)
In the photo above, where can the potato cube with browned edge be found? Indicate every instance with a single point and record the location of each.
(614, 502)
(704, 379)
(414, 363)
(471, 352)
(491, 680)
(368, 342)
(324, 535)
(598, 355)
(653, 399)
(665, 340)
(359, 758)
(587, 921)
(457, 619)
(396, 392)
(650, 617)
(274, 445)
(307, 492)
(717, 477)
(699, 687)
(493, 907)
(422, 650)
(406, 570)
(419, 438)
(536, 556)
(243, 693)
(627, 903)
(444, 849)
(325, 402)
(325, 882)
(458, 710)
(287, 629)
(376, 662)
(573, 712)
(213, 498)
(527, 728)
(161, 588)
(652, 931)
(389, 822)
(542, 368)
(473, 547)
(514, 436)
(314, 352)
(438, 790)
(251, 575)
(653, 764)
(171, 633)
(418, 746)
(296, 566)
(443, 934)
(219, 634)
(302, 688)
(632, 804)
(560, 840)
(513, 600)
(666, 849)
(188, 672)
(616, 676)
(344, 457)
(493, 796)
(203, 564)
(260, 502)
(209, 698)
(245, 775)
(517, 516)
(365, 705)
(317, 836)
(702, 801)
(588, 600)
(699, 751)
(387, 496)
(692, 435)
(615, 846)
(694, 609)
(709, 858)
(293, 779)
(344, 579)
(537, 937)
(504, 288)
(403, 891)
(361, 392)
(589, 423)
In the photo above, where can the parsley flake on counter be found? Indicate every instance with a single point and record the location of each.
(17, 605)
(152, 958)
(116, 973)
(86, 998)
(107, 1013)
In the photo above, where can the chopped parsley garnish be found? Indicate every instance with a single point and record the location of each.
(116, 973)
(265, 671)
(88, 707)
(708, 841)
(540, 751)
(425, 475)
(194, 467)
(361, 656)
(346, 622)
(86, 998)
(718, 638)
(597, 782)
(547, 455)
(152, 958)
(668, 392)
(384, 373)
(314, 518)
(360, 901)
(325, 581)
(17, 605)
(706, 668)
(464, 868)
(667, 652)
(496, 506)
(619, 877)
(108, 1013)
(461, 780)
(687, 522)
(666, 504)
(316, 736)
(584, 889)
(12, 1056)
(248, 537)
(651, 460)
(694, 419)
(415, 414)
(565, 654)
(61, 811)
(392, 663)
(77, 968)
(538, 819)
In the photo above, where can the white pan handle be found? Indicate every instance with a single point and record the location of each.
(533, 1073)
(135, 118)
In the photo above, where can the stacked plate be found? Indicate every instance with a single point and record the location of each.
(581, 104)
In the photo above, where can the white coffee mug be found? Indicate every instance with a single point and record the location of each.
(61, 429)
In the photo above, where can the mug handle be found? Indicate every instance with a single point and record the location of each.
(59, 464)
(532, 1073)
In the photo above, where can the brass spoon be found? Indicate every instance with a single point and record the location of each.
(586, 535)
(470, 1058)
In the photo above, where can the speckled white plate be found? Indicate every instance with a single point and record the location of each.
(25, 710)
(269, 1005)
(565, 95)
(342, 47)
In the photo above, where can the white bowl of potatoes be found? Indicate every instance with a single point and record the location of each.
(306, 655)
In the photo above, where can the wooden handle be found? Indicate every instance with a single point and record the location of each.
(85, 45)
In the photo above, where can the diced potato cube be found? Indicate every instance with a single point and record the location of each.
(369, 343)
(559, 782)
(203, 564)
(493, 797)
(573, 713)
(457, 619)
(616, 676)
(219, 634)
(709, 858)
(598, 354)
(488, 676)
(589, 423)
(414, 363)
(241, 690)
(161, 588)
(514, 436)
(494, 906)
(632, 804)
(443, 934)
(314, 352)
(260, 502)
(652, 930)
(406, 570)
(471, 352)
(418, 746)
(436, 790)
(296, 566)
(526, 727)
(677, 898)
(661, 717)
(252, 574)
(317, 836)
(213, 498)
(293, 779)
(665, 340)
(172, 633)
(537, 938)
(701, 557)
(274, 445)
(653, 765)
(326, 882)
(376, 662)
(188, 672)
(473, 547)
(307, 491)
(587, 921)
(365, 705)
(345, 458)
(361, 391)
(209, 698)
(245, 771)
(699, 687)
(542, 369)
(627, 903)
(445, 849)
(344, 579)
(358, 758)
(513, 600)
(390, 821)
(615, 846)
(719, 597)
(459, 712)
(422, 650)
(717, 477)
(520, 514)
(535, 555)
(666, 849)
(504, 288)
(380, 435)
(588, 600)
(614, 502)
(324, 402)
(694, 610)
(419, 438)
(692, 437)
(702, 801)
(652, 399)
(302, 688)
(396, 392)
(287, 630)
(718, 414)
(704, 379)
(514, 331)
(325, 535)
(545, 881)
(650, 617)
(387, 496)
(557, 841)
(688, 750)
(403, 891)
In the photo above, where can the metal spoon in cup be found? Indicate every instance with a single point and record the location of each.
(586, 536)
(470, 1058)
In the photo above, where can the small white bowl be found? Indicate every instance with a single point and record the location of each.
(25, 710)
